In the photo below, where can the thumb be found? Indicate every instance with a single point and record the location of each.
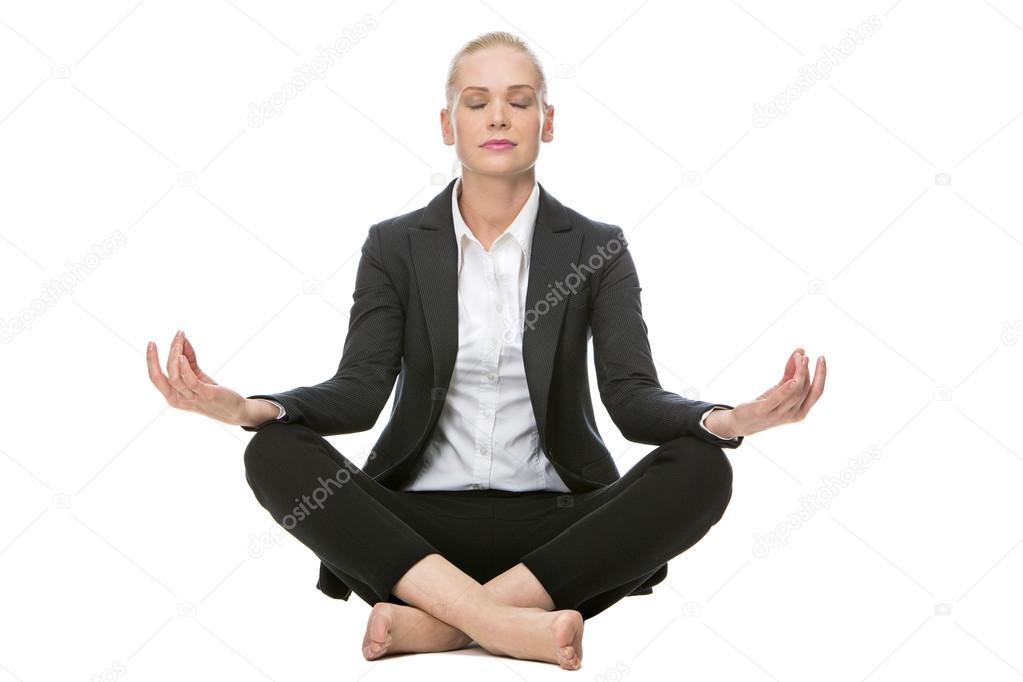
(202, 391)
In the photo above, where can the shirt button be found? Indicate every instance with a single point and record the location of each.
(490, 377)
(483, 451)
(500, 307)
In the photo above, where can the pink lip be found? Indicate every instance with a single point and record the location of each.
(499, 145)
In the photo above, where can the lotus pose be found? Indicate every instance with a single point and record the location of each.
(490, 510)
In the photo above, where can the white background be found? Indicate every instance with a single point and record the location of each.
(876, 222)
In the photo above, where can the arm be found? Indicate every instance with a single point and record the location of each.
(642, 410)
(353, 398)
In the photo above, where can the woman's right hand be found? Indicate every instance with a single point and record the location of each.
(187, 387)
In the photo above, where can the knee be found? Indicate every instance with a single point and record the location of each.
(705, 471)
(270, 442)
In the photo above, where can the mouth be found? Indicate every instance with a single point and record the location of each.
(498, 144)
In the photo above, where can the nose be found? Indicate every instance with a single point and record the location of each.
(498, 119)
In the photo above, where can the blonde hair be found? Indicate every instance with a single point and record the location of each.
(493, 39)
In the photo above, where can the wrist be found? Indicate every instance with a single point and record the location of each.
(256, 411)
(722, 422)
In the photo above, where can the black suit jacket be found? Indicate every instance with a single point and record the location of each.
(404, 326)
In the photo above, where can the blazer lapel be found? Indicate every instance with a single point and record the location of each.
(555, 247)
(435, 257)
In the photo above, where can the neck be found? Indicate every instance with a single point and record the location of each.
(489, 204)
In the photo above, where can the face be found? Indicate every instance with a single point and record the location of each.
(497, 96)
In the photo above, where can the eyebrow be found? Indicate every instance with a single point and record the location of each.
(510, 87)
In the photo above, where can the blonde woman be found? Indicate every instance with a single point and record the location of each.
(490, 509)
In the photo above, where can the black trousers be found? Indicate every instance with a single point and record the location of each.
(588, 550)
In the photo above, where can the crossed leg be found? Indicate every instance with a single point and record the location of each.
(592, 554)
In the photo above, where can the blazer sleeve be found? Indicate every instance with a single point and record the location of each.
(353, 398)
(626, 378)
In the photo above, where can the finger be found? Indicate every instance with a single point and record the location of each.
(790, 397)
(197, 387)
(155, 374)
(171, 353)
(791, 365)
(782, 396)
(174, 367)
(194, 361)
(188, 351)
(819, 377)
(802, 379)
(790, 370)
(802, 388)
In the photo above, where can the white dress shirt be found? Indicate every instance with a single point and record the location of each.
(486, 435)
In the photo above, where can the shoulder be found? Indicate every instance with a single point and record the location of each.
(598, 236)
(393, 229)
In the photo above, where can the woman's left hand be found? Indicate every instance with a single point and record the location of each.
(786, 402)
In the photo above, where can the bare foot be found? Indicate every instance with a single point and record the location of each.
(538, 635)
(397, 629)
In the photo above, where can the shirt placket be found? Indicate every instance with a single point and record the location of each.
(486, 411)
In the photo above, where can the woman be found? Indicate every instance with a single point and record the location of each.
(449, 538)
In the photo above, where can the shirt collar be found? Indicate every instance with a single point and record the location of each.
(521, 228)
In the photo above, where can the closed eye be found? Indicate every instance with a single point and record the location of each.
(480, 106)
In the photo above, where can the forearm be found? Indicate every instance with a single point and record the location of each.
(337, 406)
(652, 415)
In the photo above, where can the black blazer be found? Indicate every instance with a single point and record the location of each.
(404, 325)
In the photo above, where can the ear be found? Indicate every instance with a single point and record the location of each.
(447, 134)
(548, 124)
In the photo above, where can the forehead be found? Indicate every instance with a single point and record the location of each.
(496, 69)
